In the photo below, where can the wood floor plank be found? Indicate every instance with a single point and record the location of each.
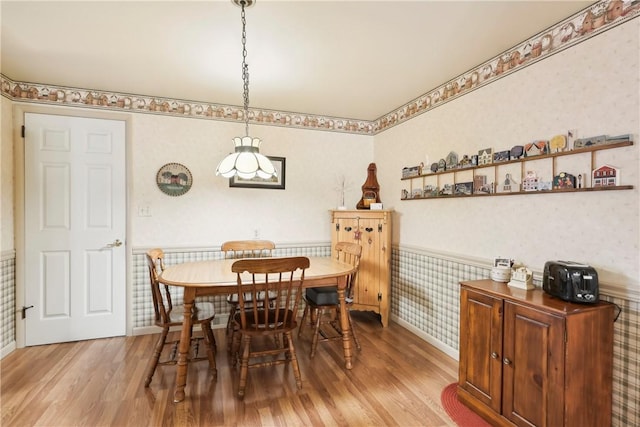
(396, 380)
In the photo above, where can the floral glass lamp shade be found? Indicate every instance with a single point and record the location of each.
(246, 162)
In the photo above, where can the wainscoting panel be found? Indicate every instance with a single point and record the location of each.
(626, 363)
(143, 316)
(7, 301)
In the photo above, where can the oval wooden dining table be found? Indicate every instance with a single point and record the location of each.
(214, 277)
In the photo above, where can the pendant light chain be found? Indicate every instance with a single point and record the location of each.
(245, 70)
(246, 161)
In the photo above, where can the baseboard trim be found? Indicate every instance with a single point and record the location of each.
(7, 349)
(451, 352)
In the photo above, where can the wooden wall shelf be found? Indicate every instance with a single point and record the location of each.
(523, 160)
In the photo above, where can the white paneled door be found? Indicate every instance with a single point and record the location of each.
(75, 224)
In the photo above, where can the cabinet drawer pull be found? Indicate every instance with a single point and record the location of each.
(506, 361)
(494, 355)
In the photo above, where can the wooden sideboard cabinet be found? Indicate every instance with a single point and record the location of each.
(529, 359)
(372, 229)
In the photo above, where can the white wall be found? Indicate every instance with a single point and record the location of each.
(593, 87)
(211, 212)
(6, 178)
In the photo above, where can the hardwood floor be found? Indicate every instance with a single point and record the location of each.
(396, 380)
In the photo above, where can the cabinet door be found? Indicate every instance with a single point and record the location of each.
(370, 275)
(480, 366)
(345, 231)
(533, 367)
(363, 231)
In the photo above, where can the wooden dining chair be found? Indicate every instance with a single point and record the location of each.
(322, 306)
(237, 249)
(168, 315)
(256, 279)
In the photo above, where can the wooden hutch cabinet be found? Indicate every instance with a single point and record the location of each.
(529, 359)
(372, 229)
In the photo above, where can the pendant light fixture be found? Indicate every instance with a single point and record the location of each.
(246, 162)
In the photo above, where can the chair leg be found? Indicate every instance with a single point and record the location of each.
(230, 338)
(294, 360)
(232, 309)
(153, 363)
(235, 347)
(353, 330)
(303, 320)
(210, 341)
(316, 330)
(230, 327)
(244, 364)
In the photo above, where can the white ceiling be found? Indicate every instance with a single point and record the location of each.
(349, 59)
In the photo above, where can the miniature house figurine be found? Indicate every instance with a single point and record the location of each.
(545, 185)
(521, 278)
(605, 176)
(447, 190)
(536, 148)
(451, 160)
(485, 156)
(509, 185)
(430, 191)
(480, 184)
(465, 161)
(530, 182)
(564, 181)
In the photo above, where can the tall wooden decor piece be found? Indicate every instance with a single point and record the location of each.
(370, 189)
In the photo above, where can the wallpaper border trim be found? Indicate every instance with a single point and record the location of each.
(583, 25)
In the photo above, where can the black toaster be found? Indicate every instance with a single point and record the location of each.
(571, 281)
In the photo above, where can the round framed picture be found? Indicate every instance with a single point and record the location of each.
(174, 179)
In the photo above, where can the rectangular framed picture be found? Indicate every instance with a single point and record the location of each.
(275, 183)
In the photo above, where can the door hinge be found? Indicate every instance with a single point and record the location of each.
(379, 296)
(22, 131)
(337, 226)
(379, 228)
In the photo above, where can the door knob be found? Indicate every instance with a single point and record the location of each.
(115, 244)
(494, 355)
(506, 361)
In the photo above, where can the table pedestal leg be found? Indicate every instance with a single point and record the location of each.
(185, 345)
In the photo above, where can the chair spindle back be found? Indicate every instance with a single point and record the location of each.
(258, 278)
